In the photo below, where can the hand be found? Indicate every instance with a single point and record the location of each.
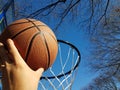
(16, 74)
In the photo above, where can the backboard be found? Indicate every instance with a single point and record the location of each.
(6, 13)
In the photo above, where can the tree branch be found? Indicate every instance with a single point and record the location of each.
(36, 13)
(66, 12)
(104, 14)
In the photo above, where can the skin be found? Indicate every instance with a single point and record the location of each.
(16, 74)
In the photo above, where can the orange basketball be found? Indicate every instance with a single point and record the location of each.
(34, 40)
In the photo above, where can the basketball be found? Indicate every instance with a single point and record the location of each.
(35, 41)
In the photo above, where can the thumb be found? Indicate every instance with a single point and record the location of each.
(39, 72)
(13, 51)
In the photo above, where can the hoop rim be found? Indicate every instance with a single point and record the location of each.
(68, 72)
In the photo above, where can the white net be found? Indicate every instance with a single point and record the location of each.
(63, 72)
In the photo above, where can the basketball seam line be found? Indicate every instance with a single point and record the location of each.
(52, 36)
(19, 23)
(21, 32)
(47, 50)
(29, 46)
(23, 23)
(45, 42)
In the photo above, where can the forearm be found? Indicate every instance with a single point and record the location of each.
(16, 80)
(19, 86)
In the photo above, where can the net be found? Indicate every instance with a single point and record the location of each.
(63, 72)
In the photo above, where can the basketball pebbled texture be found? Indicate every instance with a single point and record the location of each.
(35, 41)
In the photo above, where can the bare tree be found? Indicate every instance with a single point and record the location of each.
(106, 53)
(85, 13)
(101, 83)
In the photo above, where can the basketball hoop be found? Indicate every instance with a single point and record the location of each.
(62, 73)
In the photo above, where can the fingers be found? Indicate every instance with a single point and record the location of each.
(13, 51)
